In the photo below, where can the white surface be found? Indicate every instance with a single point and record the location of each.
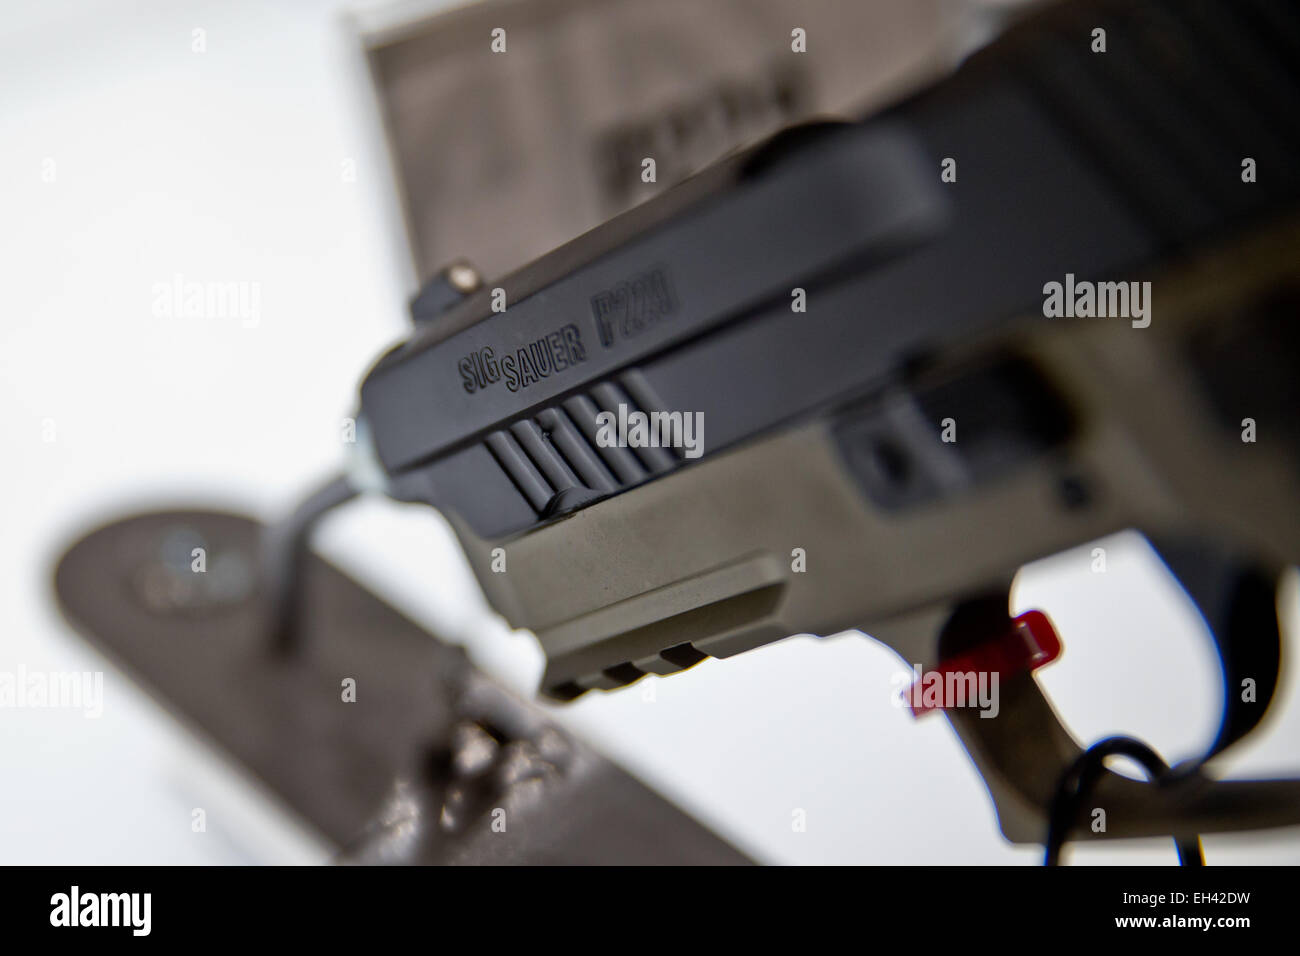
(226, 166)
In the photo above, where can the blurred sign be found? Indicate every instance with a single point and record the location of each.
(516, 125)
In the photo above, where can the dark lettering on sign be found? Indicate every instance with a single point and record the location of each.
(631, 307)
(530, 363)
(687, 135)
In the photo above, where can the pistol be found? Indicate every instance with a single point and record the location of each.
(857, 376)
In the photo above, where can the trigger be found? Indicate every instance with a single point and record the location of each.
(1028, 643)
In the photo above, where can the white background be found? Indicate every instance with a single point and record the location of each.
(226, 166)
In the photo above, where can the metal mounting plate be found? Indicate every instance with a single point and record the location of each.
(417, 769)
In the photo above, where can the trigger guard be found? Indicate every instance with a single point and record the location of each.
(1237, 598)
(1022, 754)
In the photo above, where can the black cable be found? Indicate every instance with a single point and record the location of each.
(284, 547)
(1078, 781)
